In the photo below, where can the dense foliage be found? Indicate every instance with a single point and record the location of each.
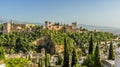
(16, 62)
(2, 53)
(89, 61)
(15, 42)
(83, 38)
(93, 59)
(97, 61)
(20, 41)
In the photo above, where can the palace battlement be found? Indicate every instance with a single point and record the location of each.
(64, 27)
(15, 27)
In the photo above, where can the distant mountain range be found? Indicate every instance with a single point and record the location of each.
(3, 20)
(89, 27)
(101, 28)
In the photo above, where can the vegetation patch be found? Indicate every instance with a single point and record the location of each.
(16, 62)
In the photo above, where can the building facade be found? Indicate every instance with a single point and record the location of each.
(66, 28)
(15, 27)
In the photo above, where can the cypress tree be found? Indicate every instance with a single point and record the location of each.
(66, 54)
(91, 46)
(47, 59)
(111, 52)
(97, 61)
(74, 58)
(40, 63)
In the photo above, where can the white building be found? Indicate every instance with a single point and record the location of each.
(117, 57)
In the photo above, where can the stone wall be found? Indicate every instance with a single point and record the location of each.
(15, 27)
(66, 28)
(46, 43)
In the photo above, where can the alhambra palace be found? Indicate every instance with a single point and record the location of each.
(63, 27)
(16, 27)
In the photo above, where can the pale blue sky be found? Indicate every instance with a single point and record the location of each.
(91, 12)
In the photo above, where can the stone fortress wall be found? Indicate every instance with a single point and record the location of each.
(67, 28)
(15, 27)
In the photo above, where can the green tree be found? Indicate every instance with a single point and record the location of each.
(91, 46)
(2, 53)
(47, 59)
(111, 52)
(11, 42)
(80, 28)
(97, 61)
(74, 58)
(22, 44)
(40, 63)
(16, 62)
(89, 61)
(66, 54)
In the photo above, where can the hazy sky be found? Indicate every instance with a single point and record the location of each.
(91, 12)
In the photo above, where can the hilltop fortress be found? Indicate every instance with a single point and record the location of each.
(57, 26)
(15, 27)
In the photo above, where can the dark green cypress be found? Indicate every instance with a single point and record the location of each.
(74, 58)
(46, 60)
(97, 61)
(66, 54)
(48, 57)
(40, 63)
(91, 46)
(111, 52)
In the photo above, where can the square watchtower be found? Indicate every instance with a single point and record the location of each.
(74, 24)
